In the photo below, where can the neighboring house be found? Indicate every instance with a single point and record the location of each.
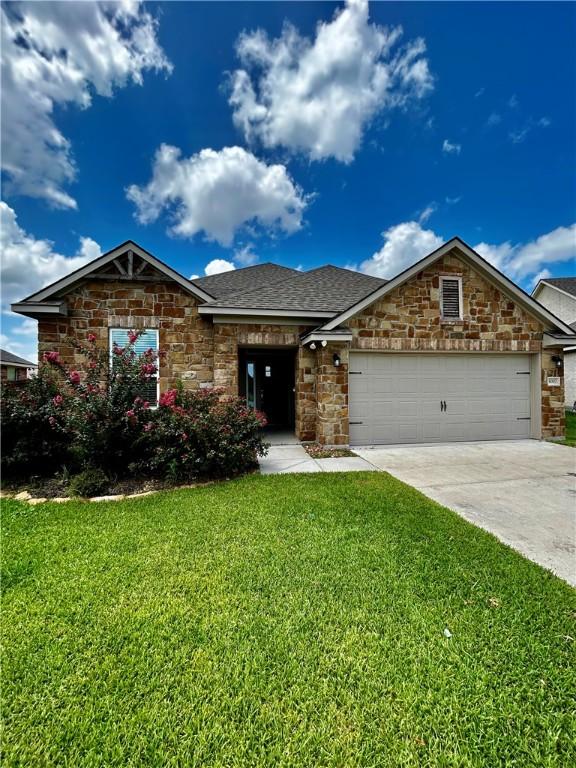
(14, 368)
(558, 294)
(450, 349)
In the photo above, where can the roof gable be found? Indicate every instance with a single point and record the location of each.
(469, 254)
(130, 249)
(566, 285)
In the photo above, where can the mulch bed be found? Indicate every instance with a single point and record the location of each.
(317, 451)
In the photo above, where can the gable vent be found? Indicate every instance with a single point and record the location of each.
(451, 298)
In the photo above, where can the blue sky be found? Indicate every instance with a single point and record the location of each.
(355, 145)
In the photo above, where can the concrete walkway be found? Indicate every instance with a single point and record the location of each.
(522, 491)
(285, 459)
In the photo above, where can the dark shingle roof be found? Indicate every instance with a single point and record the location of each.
(7, 358)
(567, 284)
(326, 289)
(245, 279)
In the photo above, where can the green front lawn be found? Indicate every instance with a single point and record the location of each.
(570, 429)
(279, 621)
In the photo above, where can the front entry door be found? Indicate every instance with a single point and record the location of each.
(269, 387)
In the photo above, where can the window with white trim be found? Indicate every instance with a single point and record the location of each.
(148, 340)
(451, 298)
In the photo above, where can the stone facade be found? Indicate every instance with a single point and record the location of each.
(332, 395)
(408, 318)
(201, 353)
(553, 408)
(97, 306)
(229, 337)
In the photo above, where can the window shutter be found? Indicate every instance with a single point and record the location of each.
(451, 298)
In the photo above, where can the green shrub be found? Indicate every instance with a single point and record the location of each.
(197, 434)
(30, 444)
(91, 482)
(94, 419)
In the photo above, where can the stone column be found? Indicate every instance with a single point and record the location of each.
(553, 413)
(226, 358)
(332, 395)
(305, 382)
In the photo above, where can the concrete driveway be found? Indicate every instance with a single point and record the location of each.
(522, 491)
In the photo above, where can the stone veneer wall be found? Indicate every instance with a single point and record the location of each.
(408, 319)
(332, 395)
(97, 306)
(553, 406)
(229, 336)
(306, 411)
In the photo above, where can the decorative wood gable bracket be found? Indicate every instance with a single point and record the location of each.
(127, 266)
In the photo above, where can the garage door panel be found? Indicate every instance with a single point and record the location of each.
(397, 397)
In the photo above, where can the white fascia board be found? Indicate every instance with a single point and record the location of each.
(101, 261)
(33, 308)
(18, 365)
(326, 336)
(206, 309)
(558, 340)
(255, 320)
(484, 266)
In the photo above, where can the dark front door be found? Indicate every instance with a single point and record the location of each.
(267, 382)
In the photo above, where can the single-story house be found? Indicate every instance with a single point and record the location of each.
(450, 349)
(14, 368)
(558, 294)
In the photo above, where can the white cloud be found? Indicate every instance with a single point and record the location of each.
(29, 264)
(317, 96)
(218, 193)
(406, 243)
(58, 54)
(451, 148)
(479, 93)
(430, 209)
(542, 275)
(513, 101)
(493, 119)
(453, 200)
(245, 255)
(216, 266)
(518, 136)
(403, 245)
(521, 260)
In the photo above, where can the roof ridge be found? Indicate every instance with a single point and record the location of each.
(347, 269)
(237, 294)
(243, 269)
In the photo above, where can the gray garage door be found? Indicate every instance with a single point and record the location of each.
(405, 398)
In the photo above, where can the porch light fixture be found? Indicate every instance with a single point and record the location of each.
(313, 346)
(336, 359)
(324, 342)
(557, 360)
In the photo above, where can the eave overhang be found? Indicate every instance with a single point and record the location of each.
(40, 309)
(558, 340)
(340, 334)
(208, 309)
